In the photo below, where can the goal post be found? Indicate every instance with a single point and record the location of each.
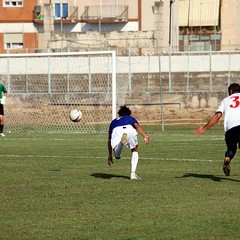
(114, 86)
(44, 87)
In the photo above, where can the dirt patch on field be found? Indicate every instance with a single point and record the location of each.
(171, 115)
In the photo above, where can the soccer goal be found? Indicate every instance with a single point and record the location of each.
(44, 87)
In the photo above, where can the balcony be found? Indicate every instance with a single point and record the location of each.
(66, 13)
(107, 13)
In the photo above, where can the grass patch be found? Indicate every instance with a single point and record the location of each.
(59, 186)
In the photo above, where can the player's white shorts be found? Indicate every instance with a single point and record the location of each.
(131, 132)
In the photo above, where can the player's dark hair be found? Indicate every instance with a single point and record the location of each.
(233, 88)
(124, 111)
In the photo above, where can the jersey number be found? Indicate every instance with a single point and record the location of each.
(236, 102)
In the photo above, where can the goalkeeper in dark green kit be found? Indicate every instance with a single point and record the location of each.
(3, 95)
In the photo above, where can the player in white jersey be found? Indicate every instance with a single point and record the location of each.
(123, 132)
(230, 107)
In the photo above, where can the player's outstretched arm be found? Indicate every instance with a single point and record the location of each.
(142, 132)
(202, 129)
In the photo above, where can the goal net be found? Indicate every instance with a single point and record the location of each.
(44, 87)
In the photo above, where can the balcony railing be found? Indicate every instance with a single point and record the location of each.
(111, 13)
(72, 13)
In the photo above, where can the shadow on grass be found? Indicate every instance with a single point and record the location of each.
(208, 176)
(107, 176)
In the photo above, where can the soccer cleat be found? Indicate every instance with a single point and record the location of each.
(134, 176)
(124, 139)
(2, 135)
(226, 166)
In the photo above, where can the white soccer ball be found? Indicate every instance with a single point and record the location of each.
(75, 115)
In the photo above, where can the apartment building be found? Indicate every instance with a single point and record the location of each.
(69, 18)
(17, 30)
(49, 22)
(42, 24)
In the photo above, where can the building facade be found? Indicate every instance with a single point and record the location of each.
(17, 30)
(60, 24)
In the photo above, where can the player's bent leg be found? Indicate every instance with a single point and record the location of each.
(118, 150)
(231, 139)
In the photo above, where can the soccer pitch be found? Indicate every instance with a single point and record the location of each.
(59, 186)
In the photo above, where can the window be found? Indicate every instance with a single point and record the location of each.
(14, 46)
(200, 42)
(13, 40)
(12, 3)
(61, 10)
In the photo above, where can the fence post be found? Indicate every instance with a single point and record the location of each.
(169, 72)
(89, 75)
(229, 65)
(148, 73)
(161, 91)
(49, 74)
(8, 72)
(210, 67)
(188, 61)
(68, 76)
(129, 71)
(26, 62)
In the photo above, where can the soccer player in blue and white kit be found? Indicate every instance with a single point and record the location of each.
(230, 107)
(123, 132)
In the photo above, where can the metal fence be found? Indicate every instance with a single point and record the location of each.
(190, 71)
(185, 81)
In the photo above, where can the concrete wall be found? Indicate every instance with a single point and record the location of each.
(230, 24)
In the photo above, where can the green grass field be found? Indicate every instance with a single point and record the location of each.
(59, 186)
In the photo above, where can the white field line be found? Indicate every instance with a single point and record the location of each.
(161, 138)
(104, 157)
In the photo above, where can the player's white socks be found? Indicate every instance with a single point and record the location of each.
(134, 162)
(118, 150)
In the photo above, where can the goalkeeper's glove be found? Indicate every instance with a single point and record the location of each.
(2, 100)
